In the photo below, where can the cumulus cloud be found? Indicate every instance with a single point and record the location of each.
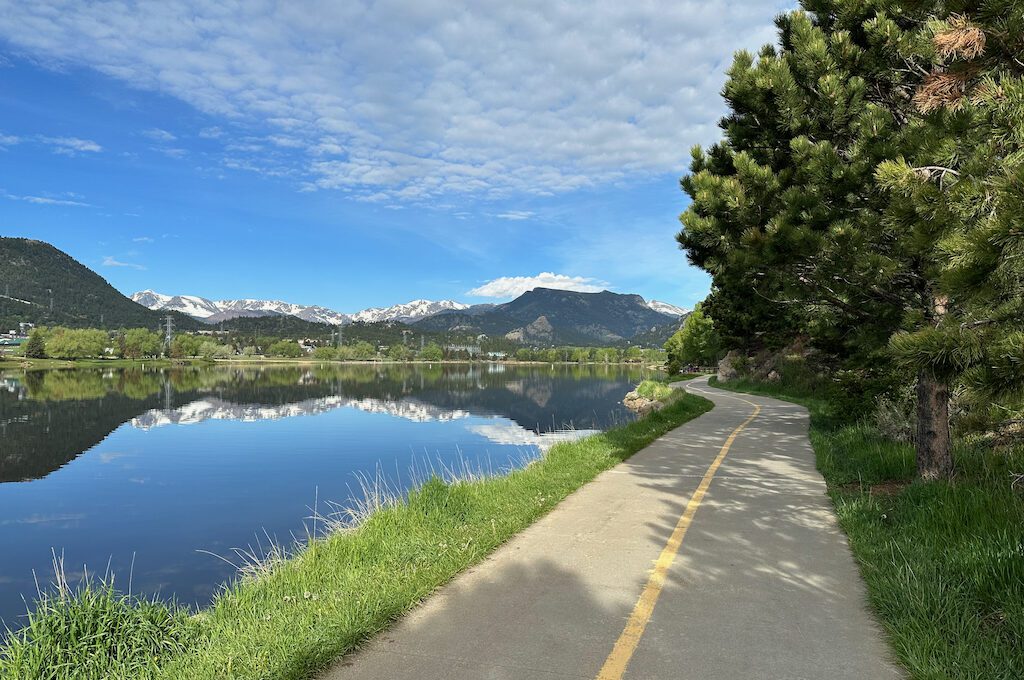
(514, 286)
(70, 146)
(110, 261)
(422, 99)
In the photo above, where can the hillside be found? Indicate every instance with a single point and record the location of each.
(546, 316)
(80, 297)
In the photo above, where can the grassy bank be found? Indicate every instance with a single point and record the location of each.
(302, 613)
(943, 561)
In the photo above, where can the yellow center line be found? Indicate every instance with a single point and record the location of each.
(615, 665)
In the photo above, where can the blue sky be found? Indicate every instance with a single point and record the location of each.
(363, 154)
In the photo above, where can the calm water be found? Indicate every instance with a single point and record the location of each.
(108, 466)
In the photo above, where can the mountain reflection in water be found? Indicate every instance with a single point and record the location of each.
(107, 464)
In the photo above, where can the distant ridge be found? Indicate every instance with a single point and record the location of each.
(48, 286)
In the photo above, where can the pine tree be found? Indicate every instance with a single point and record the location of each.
(35, 346)
(863, 190)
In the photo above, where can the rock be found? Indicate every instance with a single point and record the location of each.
(774, 376)
(641, 405)
(726, 367)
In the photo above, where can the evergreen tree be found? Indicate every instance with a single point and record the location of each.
(862, 194)
(35, 346)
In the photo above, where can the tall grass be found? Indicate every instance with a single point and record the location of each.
(293, 617)
(943, 561)
(91, 632)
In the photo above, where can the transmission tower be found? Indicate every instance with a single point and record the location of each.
(168, 331)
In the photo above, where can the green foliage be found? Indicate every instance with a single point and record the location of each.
(363, 350)
(137, 343)
(35, 346)
(655, 390)
(209, 349)
(325, 353)
(399, 352)
(285, 348)
(867, 189)
(76, 343)
(696, 343)
(185, 346)
(432, 352)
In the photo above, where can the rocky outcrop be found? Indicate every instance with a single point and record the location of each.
(727, 366)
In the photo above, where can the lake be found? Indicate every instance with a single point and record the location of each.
(160, 468)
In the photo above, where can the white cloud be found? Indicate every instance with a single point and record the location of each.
(211, 133)
(515, 215)
(159, 135)
(8, 140)
(420, 98)
(514, 286)
(65, 199)
(71, 145)
(143, 239)
(172, 152)
(110, 261)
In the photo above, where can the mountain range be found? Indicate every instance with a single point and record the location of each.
(43, 285)
(215, 311)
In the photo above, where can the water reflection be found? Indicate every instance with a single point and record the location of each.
(155, 464)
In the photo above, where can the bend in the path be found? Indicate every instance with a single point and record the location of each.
(763, 585)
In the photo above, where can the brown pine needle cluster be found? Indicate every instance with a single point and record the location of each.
(940, 90)
(961, 41)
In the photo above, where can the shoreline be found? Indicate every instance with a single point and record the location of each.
(301, 612)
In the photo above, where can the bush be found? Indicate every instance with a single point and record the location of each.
(325, 353)
(285, 348)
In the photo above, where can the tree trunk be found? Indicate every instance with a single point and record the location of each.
(934, 452)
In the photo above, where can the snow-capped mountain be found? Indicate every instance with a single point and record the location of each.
(666, 308)
(186, 304)
(410, 311)
(222, 310)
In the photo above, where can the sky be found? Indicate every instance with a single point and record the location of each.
(368, 152)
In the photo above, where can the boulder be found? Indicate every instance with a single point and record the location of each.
(726, 367)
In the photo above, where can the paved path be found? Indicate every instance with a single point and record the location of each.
(762, 584)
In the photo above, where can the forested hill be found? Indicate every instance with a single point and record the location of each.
(30, 270)
(545, 316)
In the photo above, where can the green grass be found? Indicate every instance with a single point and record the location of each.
(307, 611)
(943, 561)
(655, 390)
(94, 633)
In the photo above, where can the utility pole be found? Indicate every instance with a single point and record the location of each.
(168, 331)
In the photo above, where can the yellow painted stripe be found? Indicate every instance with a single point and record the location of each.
(615, 665)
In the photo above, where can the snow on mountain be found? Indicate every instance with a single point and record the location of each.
(186, 304)
(222, 310)
(306, 312)
(410, 311)
(666, 308)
